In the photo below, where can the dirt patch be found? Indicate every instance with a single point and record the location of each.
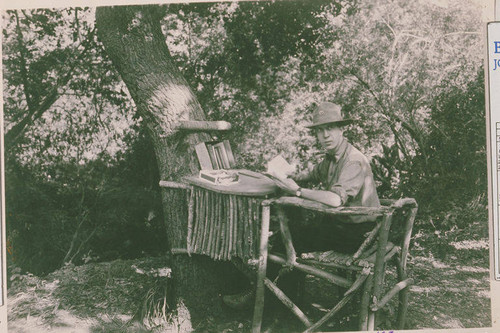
(450, 291)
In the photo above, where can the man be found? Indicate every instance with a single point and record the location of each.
(345, 179)
(345, 174)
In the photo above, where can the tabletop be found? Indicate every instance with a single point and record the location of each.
(250, 183)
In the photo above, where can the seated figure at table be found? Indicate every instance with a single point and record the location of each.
(345, 179)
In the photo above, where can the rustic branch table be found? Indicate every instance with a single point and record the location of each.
(224, 220)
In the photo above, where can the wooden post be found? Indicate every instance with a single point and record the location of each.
(407, 236)
(261, 272)
(378, 275)
(190, 221)
(286, 236)
(365, 304)
(403, 294)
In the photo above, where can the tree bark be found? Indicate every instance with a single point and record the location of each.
(133, 39)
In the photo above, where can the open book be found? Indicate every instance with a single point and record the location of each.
(278, 167)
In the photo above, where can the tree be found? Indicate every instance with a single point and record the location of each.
(133, 39)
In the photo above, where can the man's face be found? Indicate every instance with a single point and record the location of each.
(329, 136)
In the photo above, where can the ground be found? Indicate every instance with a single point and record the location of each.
(452, 290)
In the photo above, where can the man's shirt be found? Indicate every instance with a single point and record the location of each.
(348, 174)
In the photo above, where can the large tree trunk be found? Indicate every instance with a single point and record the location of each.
(134, 41)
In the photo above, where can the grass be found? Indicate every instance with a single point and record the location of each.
(451, 291)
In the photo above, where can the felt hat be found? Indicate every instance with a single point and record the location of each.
(329, 113)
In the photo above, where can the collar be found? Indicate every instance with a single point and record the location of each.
(335, 155)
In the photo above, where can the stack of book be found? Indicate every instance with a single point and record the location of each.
(215, 155)
(219, 177)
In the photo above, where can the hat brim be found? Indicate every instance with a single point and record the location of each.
(343, 122)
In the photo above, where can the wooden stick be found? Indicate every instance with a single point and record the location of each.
(256, 226)
(328, 264)
(341, 211)
(402, 297)
(230, 230)
(177, 250)
(286, 235)
(371, 321)
(287, 302)
(226, 232)
(365, 304)
(389, 255)
(378, 274)
(196, 219)
(369, 252)
(206, 223)
(202, 125)
(235, 231)
(211, 224)
(247, 228)
(216, 241)
(330, 313)
(391, 293)
(370, 261)
(190, 196)
(359, 281)
(201, 221)
(223, 229)
(241, 230)
(367, 241)
(171, 184)
(337, 280)
(216, 221)
(407, 237)
(223, 219)
(241, 221)
(249, 221)
(261, 271)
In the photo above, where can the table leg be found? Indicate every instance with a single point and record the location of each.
(261, 273)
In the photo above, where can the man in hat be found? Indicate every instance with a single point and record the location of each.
(346, 179)
(344, 174)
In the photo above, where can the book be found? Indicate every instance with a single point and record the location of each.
(213, 158)
(279, 167)
(219, 177)
(229, 152)
(203, 156)
(221, 151)
(215, 155)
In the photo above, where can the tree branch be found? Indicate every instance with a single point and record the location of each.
(23, 68)
(392, 116)
(35, 112)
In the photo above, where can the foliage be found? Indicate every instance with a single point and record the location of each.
(73, 192)
(109, 212)
(410, 72)
(63, 98)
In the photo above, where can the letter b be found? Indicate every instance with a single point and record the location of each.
(497, 47)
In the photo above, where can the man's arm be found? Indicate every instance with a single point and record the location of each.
(326, 197)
